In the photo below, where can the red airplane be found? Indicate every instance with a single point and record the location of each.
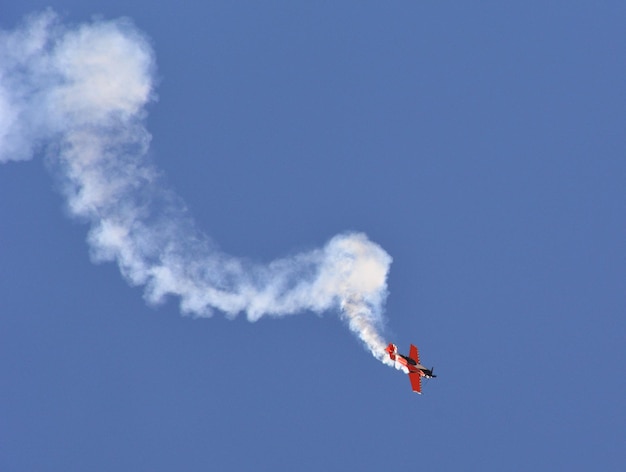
(411, 365)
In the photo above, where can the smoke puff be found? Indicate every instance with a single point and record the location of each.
(79, 93)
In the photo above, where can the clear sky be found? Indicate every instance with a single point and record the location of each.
(481, 145)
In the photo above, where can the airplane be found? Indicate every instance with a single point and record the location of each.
(411, 365)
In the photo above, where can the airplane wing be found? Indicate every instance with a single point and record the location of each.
(416, 382)
(413, 354)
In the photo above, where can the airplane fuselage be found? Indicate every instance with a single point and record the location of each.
(414, 366)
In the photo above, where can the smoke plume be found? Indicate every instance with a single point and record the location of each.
(77, 94)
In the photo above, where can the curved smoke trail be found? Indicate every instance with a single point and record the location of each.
(79, 95)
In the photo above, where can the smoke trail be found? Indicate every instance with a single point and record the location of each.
(78, 94)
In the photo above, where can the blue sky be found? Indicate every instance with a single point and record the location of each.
(482, 146)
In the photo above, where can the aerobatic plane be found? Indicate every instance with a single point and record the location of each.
(411, 365)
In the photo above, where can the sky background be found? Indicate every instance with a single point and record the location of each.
(481, 145)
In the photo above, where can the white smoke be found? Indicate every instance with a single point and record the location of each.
(78, 94)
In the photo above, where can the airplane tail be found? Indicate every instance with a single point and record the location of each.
(392, 349)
